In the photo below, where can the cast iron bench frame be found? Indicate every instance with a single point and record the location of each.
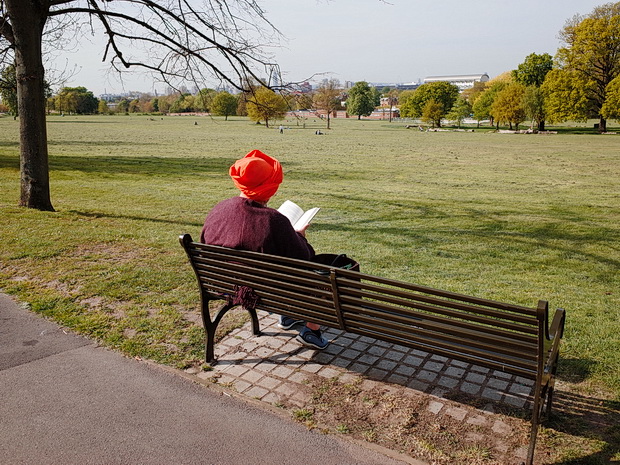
(508, 338)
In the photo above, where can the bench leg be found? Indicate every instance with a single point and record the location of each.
(209, 343)
(539, 401)
(210, 327)
(255, 324)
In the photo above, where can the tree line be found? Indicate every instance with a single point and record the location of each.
(581, 82)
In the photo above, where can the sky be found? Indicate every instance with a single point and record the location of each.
(378, 41)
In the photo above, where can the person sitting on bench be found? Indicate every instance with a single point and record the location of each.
(245, 222)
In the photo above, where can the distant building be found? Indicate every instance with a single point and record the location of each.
(464, 81)
(116, 97)
(408, 86)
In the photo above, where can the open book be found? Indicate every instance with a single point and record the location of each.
(298, 218)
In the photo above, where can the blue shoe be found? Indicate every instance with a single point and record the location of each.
(286, 322)
(309, 338)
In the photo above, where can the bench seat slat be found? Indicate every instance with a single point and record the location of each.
(446, 352)
(252, 280)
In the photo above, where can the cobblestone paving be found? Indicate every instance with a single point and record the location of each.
(275, 368)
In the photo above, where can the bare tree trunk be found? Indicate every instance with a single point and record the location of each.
(602, 124)
(28, 19)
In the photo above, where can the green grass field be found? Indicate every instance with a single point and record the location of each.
(501, 216)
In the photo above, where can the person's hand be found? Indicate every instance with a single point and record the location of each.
(302, 231)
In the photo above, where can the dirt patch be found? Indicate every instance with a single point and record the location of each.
(419, 425)
(444, 431)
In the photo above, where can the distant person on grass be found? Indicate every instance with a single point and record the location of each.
(246, 222)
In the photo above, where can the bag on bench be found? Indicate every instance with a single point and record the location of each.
(337, 261)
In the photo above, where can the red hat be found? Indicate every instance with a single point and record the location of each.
(257, 175)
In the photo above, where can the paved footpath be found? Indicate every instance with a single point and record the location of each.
(67, 401)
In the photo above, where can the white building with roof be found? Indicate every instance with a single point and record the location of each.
(463, 81)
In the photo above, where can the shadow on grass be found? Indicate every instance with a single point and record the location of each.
(110, 165)
(575, 370)
(148, 219)
(589, 418)
(75, 120)
(475, 225)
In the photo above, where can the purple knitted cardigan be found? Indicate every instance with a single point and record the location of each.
(243, 224)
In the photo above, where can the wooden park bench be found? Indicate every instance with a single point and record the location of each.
(504, 337)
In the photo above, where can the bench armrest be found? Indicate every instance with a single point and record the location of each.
(556, 332)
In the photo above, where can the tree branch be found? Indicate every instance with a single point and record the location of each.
(186, 33)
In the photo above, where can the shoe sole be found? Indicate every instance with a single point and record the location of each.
(281, 326)
(310, 344)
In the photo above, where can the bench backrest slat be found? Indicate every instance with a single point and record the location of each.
(353, 276)
(446, 310)
(370, 291)
(450, 339)
(409, 314)
(484, 336)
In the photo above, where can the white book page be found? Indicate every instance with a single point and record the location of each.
(305, 218)
(291, 210)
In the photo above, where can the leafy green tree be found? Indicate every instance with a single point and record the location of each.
(155, 104)
(474, 92)
(361, 100)
(224, 104)
(460, 110)
(404, 103)
(77, 100)
(183, 104)
(591, 58)
(122, 106)
(611, 107)
(203, 99)
(432, 113)
(327, 97)
(482, 105)
(376, 97)
(103, 108)
(534, 105)
(533, 70)
(441, 92)
(508, 105)
(265, 105)
(531, 73)
(566, 95)
(134, 106)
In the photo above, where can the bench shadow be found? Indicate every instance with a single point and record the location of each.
(588, 417)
